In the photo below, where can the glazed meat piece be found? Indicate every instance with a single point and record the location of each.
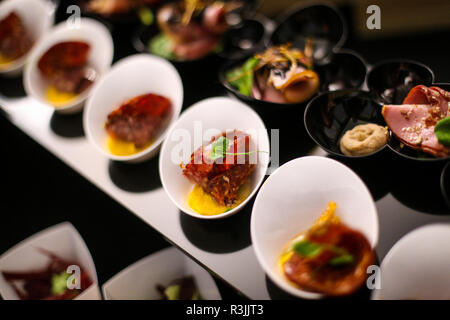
(331, 272)
(413, 122)
(14, 39)
(221, 177)
(64, 66)
(37, 284)
(140, 119)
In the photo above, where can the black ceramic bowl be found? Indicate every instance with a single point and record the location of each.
(409, 153)
(445, 183)
(346, 70)
(321, 22)
(329, 115)
(390, 81)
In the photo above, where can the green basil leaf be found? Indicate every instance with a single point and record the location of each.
(307, 249)
(342, 260)
(442, 131)
(219, 148)
(242, 78)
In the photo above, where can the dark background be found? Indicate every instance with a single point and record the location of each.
(38, 190)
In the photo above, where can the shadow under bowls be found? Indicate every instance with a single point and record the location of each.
(445, 183)
(67, 125)
(391, 80)
(322, 23)
(12, 87)
(221, 235)
(329, 115)
(135, 177)
(418, 185)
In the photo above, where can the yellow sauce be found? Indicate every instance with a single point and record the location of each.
(58, 98)
(123, 148)
(5, 61)
(204, 204)
(326, 216)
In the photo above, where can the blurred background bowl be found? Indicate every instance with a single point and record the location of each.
(100, 57)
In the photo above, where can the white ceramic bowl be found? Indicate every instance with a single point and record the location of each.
(100, 57)
(418, 266)
(130, 77)
(37, 16)
(211, 117)
(139, 281)
(294, 196)
(63, 240)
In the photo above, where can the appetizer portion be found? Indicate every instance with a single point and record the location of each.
(220, 171)
(65, 68)
(191, 29)
(136, 123)
(363, 139)
(329, 258)
(422, 121)
(281, 74)
(180, 289)
(15, 41)
(49, 283)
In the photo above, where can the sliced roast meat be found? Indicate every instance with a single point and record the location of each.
(413, 122)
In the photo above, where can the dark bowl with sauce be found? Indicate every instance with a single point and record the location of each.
(329, 115)
(411, 154)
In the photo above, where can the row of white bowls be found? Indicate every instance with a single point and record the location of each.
(416, 267)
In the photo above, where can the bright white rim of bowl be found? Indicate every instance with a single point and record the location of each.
(43, 46)
(96, 87)
(258, 184)
(398, 246)
(269, 269)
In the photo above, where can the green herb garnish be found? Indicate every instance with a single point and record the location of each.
(59, 283)
(442, 131)
(161, 45)
(342, 260)
(307, 248)
(242, 78)
(220, 146)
